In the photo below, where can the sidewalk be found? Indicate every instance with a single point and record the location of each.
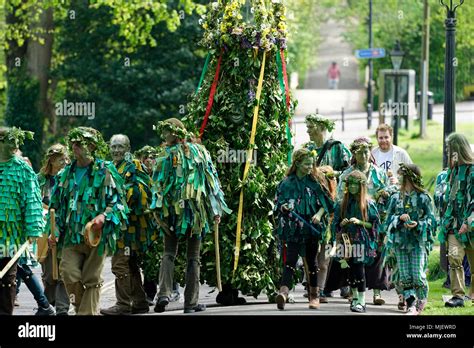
(356, 123)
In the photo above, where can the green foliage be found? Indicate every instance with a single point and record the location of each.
(304, 21)
(435, 271)
(402, 20)
(232, 113)
(140, 88)
(21, 111)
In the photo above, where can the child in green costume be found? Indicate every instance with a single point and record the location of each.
(356, 221)
(411, 228)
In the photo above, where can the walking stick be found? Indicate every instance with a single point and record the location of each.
(14, 258)
(54, 259)
(218, 258)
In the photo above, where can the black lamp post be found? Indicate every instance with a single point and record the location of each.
(449, 74)
(397, 58)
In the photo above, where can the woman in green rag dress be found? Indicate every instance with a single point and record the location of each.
(301, 202)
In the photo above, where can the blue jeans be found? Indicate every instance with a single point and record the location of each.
(25, 274)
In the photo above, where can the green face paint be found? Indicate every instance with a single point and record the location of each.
(362, 156)
(304, 167)
(353, 186)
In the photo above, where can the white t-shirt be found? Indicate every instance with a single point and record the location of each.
(384, 159)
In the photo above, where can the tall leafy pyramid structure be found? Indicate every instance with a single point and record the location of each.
(243, 103)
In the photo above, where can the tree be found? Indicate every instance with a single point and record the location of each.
(402, 19)
(137, 87)
(27, 39)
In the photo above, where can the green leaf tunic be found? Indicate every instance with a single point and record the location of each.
(459, 198)
(419, 207)
(21, 212)
(338, 156)
(363, 240)
(140, 231)
(186, 190)
(77, 204)
(308, 197)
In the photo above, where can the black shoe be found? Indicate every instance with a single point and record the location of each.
(161, 304)
(140, 310)
(455, 302)
(327, 293)
(197, 308)
(345, 292)
(46, 311)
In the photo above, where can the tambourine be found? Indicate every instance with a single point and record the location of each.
(347, 246)
(92, 234)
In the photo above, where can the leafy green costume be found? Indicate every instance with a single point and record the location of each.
(337, 154)
(419, 207)
(459, 198)
(21, 212)
(140, 231)
(307, 196)
(411, 246)
(101, 188)
(362, 238)
(186, 189)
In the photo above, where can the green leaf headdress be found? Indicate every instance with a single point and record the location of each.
(317, 119)
(174, 126)
(361, 144)
(416, 179)
(15, 135)
(87, 136)
(147, 150)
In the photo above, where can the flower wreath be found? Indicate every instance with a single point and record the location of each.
(320, 120)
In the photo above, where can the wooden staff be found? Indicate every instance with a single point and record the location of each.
(218, 258)
(14, 258)
(54, 258)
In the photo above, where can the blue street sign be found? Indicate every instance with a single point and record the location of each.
(370, 53)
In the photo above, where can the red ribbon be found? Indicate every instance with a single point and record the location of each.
(285, 78)
(211, 95)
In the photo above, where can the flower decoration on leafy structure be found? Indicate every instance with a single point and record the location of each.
(224, 25)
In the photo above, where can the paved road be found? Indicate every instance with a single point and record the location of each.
(259, 306)
(356, 123)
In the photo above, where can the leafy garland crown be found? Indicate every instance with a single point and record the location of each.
(175, 128)
(317, 119)
(87, 136)
(16, 136)
(414, 178)
(357, 146)
(147, 150)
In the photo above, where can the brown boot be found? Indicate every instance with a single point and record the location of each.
(282, 297)
(313, 298)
